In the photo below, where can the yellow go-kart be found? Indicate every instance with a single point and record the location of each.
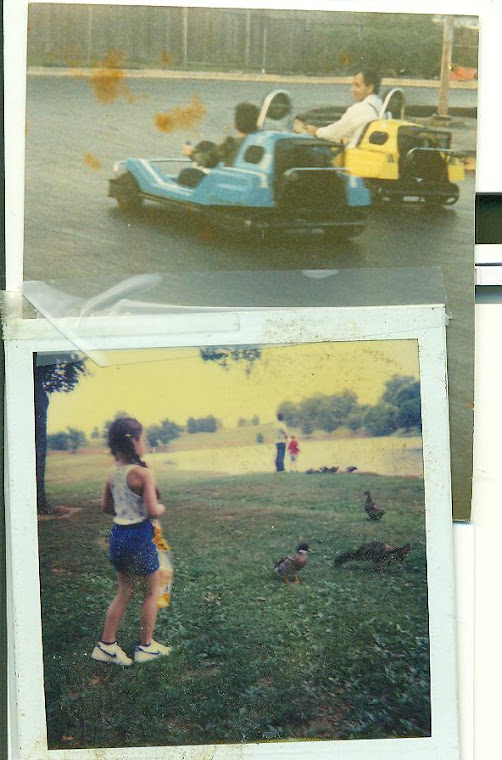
(404, 161)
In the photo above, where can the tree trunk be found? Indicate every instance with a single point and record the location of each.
(41, 406)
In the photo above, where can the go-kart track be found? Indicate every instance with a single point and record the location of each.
(73, 140)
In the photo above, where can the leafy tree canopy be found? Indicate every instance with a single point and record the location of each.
(225, 356)
(207, 424)
(58, 441)
(166, 431)
(381, 419)
(77, 438)
(397, 385)
(410, 414)
(61, 375)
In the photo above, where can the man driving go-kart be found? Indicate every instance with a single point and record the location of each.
(367, 106)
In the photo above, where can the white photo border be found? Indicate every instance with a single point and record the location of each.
(425, 324)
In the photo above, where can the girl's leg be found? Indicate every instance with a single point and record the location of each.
(149, 607)
(117, 608)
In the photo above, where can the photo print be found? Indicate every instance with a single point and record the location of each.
(128, 107)
(232, 543)
(195, 183)
(292, 480)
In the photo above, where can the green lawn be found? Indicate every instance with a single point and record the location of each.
(341, 655)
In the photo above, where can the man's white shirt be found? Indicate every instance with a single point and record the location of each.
(353, 121)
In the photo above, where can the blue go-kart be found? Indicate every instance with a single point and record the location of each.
(279, 180)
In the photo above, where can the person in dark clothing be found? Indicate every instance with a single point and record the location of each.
(207, 154)
(280, 443)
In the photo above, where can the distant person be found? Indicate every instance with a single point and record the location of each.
(294, 450)
(281, 439)
(365, 87)
(131, 496)
(207, 154)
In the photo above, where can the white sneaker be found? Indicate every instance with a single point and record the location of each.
(111, 653)
(153, 651)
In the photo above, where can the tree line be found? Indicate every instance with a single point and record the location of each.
(398, 407)
(158, 434)
(70, 439)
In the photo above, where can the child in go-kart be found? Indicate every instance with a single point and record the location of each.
(207, 154)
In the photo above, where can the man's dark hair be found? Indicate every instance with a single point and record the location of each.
(246, 116)
(371, 76)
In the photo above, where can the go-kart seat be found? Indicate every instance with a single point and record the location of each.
(420, 156)
(291, 154)
(313, 190)
(191, 176)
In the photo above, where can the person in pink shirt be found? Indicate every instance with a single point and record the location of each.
(294, 450)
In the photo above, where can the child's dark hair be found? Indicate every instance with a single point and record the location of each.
(246, 117)
(121, 433)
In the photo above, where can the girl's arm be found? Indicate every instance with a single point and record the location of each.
(149, 491)
(107, 504)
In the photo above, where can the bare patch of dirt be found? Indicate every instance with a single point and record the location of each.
(61, 512)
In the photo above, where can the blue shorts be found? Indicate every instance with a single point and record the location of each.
(131, 549)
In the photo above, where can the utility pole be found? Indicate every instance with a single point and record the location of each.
(89, 36)
(247, 45)
(184, 36)
(446, 58)
(264, 51)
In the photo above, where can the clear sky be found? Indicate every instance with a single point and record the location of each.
(177, 384)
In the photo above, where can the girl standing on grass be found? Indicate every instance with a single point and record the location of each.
(132, 497)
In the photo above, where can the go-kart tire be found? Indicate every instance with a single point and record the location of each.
(127, 194)
(438, 201)
(434, 201)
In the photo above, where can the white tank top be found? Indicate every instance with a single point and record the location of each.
(129, 507)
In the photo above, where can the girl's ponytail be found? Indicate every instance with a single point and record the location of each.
(121, 433)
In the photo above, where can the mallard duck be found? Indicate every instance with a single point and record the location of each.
(372, 509)
(289, 567)
(378, 553)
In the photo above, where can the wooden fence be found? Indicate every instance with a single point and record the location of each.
(288, 42)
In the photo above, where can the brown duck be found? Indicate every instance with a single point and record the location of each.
(380, 554)
(372, 508)
(288, 568)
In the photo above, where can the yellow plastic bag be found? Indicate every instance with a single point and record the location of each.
(166, 570)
